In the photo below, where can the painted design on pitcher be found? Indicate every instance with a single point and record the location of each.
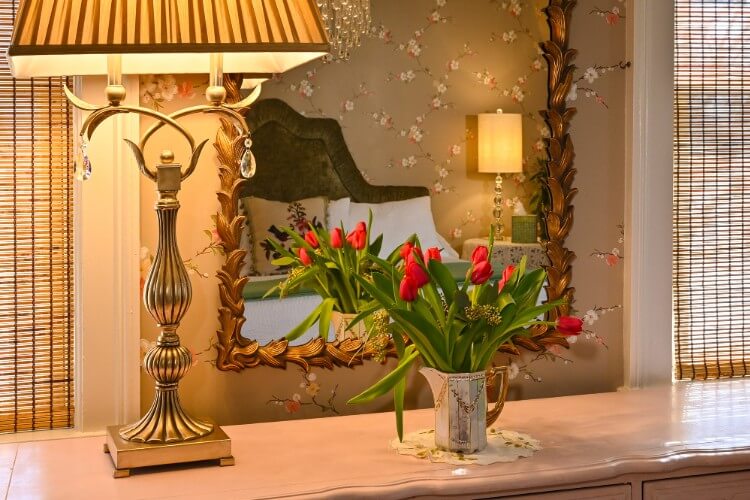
(460, 423)
(468, 407)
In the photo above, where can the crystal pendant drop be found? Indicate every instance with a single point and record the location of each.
(83, 164)
(247, 163)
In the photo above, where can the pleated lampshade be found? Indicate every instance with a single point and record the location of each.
(74, 37)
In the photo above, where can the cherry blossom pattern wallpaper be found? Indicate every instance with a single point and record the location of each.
(403, 100)
(404, 97)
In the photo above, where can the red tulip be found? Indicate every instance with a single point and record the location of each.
(311, 239)
(414, 256)
(479, 254)
(408, 290)
(507, 273)
(358, 238)
(481, 272)
(569, 325)
(432, 253)
(304, 257)
(417, 273)
(406, 249)
(337, 238)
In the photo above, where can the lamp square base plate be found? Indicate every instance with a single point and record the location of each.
(128, 455)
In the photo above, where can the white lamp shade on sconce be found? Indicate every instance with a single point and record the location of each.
(500, 143)
(75, 37)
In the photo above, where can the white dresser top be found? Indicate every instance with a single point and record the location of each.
(585, 438)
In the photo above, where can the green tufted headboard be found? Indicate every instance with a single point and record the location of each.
(299, 157)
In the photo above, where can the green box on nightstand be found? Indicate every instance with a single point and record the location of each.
(524, 229)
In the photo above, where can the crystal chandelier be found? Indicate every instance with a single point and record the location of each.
(346, 22)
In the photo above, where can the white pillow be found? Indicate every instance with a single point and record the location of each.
(397, 221)
(338, 213)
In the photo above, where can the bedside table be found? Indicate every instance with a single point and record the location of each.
(506, 252)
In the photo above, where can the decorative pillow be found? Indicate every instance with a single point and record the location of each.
(397, 221)
(266, 218)
(338, 212)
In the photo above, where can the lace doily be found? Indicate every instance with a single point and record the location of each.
(502, 446)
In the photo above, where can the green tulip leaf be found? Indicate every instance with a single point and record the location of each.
(365, 312)
(324, 321)
(399, 391)
(487, 294)
(388, 382)
(444, 279)
(462, 301)
(376, 245)
(283, 261)
(428, 339)
(527, 291)
(307, 323)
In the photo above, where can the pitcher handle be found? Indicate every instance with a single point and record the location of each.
(493, 373)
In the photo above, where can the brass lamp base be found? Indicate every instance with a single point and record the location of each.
(127, 455)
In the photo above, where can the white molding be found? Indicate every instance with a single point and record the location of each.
(33, 436)
(107, 262)
(648, 187)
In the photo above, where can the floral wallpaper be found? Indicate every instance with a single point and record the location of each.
(404, 101)
(406, 97)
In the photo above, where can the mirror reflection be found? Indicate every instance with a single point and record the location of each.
(407, 129)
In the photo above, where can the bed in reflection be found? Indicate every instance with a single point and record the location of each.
(306, 175)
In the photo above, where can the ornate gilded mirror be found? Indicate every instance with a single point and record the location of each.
(396, 122)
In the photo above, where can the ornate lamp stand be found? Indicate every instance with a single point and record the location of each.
(166, 434)
(54, 38)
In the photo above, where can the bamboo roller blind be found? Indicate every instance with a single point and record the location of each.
(36, 249)
(711, 278)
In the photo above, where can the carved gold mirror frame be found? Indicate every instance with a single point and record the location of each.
(236, 352)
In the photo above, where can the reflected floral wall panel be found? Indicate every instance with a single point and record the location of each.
(402, 101)
(404, 97)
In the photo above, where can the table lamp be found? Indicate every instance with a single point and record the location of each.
(112, 37)
(499, 140)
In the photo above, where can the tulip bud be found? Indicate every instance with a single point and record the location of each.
(311, 239)
(406, 249)
(337, 238)
(569, 325)
(481, 272)
(408, 289)
(414, 256)
(358, 238)
(479, 254)
(507, 273)
(417, 273)
(304, 257)
(432, 253)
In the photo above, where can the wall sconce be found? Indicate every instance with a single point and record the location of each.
(499, 138)
(70, 37)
